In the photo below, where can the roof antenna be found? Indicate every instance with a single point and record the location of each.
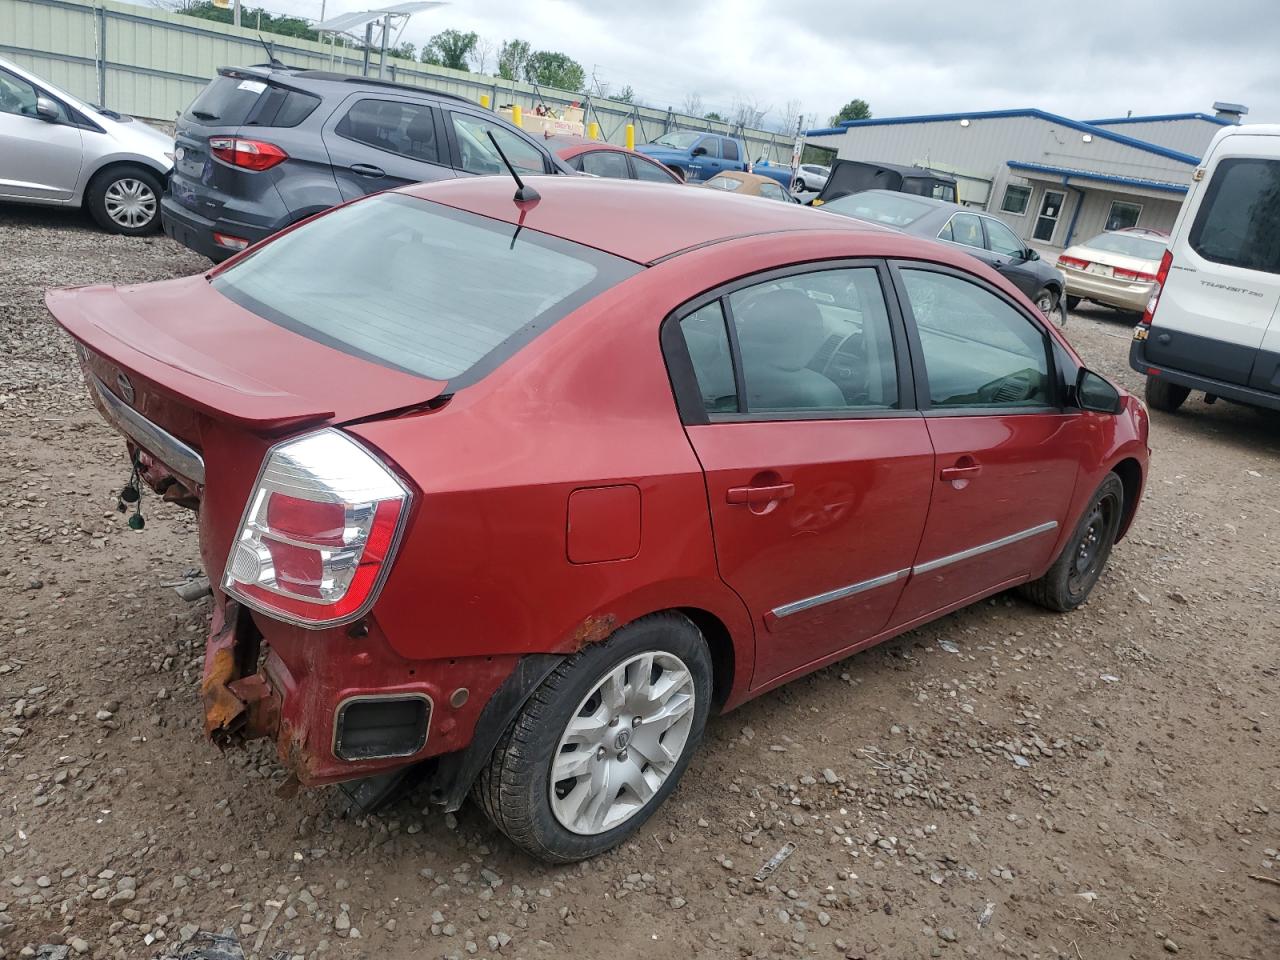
(271, 54)
(523, 193)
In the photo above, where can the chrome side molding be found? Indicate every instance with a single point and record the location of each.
(808, 603)
(178, 456)
(985, 547)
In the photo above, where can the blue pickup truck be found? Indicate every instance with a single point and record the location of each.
(699, 156)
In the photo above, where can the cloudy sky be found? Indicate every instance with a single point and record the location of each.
(1082, 58)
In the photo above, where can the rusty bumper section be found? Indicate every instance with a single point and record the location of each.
(239, 705)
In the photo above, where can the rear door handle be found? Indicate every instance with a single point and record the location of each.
(964, 468)
(755, 496)
(368, 170)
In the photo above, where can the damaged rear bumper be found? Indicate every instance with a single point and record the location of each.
(340, 704)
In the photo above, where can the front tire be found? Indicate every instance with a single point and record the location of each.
(800, 187)
(1069, 581)
(1165, 396)
(602, 742)
(126, 200)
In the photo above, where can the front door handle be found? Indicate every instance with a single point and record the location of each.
(965, 468)
(757, 495)
(368, 170)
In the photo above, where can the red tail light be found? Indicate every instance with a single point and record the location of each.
(1075, 263)
(247, 154)
(319, 533)
(1161, 276)
(1135, 275)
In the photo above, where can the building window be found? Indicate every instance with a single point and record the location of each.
(1016, 199)
(1123, 214)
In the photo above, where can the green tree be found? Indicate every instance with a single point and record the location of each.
(252, 16)
(551, 69)
(713, 116)
(405, 51)
(512, 58)
(625, 95)
(450, 48)
(856, 109)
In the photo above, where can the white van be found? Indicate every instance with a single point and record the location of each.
(1213, 321)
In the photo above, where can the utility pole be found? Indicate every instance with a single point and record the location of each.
(235, 16)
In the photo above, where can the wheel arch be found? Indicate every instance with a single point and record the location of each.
(1129, 470)
(107, 164)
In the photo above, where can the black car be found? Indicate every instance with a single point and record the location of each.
(854, 176)
(263, 147)
(986, 237)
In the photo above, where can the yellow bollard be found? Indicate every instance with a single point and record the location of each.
(517, 115)
(631, 136)
(593, 130)
(484, 100)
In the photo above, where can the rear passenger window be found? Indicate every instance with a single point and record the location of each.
(404, 128)
(606, 163)
(978, 350)
(1238, 223)
(816, 342)
(708, 345)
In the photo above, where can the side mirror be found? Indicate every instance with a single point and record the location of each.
(698, 152)
(1030, 254)
(46, 109)
(1096, 393)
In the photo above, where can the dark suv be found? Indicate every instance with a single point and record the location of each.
(266, 146)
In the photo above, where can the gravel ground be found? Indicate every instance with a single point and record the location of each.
(1003, 782)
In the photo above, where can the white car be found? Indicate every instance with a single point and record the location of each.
(811, 178)
(56, 150)
(1212, 321)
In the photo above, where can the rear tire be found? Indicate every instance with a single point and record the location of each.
(1072, 302)
(125, 200)
(1069, 581)
(633, 746)
(800, 187)
(1165, 396)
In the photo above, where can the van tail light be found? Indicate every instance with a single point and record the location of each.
(1074, 263)
(247, 154)
(1161, 276)
(319, 533)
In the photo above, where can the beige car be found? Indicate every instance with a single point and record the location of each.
(1117, 268)
(749, 185)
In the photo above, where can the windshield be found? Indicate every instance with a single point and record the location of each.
(418, 287)
(892, 209)
(1144, 248)
(680, 140)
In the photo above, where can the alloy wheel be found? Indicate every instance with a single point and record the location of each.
(622, 743)
(131, 203)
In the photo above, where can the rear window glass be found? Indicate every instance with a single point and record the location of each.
(419, 287)
(226, 101)
(893, 209)
(1127, 244)
(1238, 222)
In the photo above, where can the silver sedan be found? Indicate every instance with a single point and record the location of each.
(56, 150)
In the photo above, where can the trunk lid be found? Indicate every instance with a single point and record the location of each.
(181, 356)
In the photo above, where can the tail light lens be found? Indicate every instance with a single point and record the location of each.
(319, 533)
(247, 154)
(1161, 276)
(1121, 274)
(1075, 263)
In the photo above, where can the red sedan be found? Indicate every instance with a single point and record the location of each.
(608, 160)
(503, 492)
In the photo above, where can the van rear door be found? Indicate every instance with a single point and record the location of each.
(1223, 287)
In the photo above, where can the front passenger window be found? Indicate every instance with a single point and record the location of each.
(16, 95)
(478, 155)
(978, 350)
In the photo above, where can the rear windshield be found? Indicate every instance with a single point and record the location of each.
(1238, 222)
(892, 209)
(226, 101)
(1144, 248)
(417, 286)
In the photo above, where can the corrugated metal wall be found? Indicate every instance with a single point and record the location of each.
(1189, 135)
(156, 62)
